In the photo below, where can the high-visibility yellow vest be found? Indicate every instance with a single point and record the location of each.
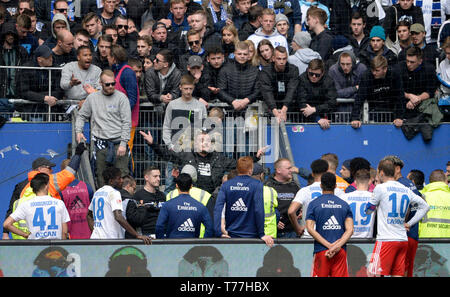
(198, 194)
(28, 194)
(270, 203)
(436, 223)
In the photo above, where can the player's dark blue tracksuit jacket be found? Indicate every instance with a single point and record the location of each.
(181, 217)
(244, 208)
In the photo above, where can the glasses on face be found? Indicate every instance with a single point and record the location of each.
(191, 43)
(111, 84)
(122, 26)
(61, 10)
(312, 74)
(158, 60)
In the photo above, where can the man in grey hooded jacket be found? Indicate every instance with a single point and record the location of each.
(303, 54)
(346, 73)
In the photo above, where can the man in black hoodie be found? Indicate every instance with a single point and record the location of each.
(11, 54)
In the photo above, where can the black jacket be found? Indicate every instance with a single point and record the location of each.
(144, 217)
(385, 94)
(412, 15)
(323, 44)
(34, 86)
(421, 80)
(153, 85)
(321, 95)
(20, 56)
(238, 81)
(278, 88)
(366, 55)
(286, 193)
(210, 168)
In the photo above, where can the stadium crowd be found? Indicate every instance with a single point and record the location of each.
(181, 56)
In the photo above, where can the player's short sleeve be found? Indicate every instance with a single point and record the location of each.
(65, 213)
(349, 211)
(116, 201)
(300, 196)
(19, 213)
(310, 213)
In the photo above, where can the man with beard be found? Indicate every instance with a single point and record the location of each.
(211, 165)
(80, 78)
(127, 41)
(110, 116)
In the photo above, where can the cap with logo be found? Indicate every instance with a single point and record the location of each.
(195, 61)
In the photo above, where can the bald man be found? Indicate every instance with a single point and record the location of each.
(63, 52)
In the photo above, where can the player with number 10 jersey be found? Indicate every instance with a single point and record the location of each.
(392, 200)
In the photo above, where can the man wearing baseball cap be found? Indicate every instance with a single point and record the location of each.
(418, 35)
(57, 182)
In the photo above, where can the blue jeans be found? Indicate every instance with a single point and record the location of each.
(289, 234)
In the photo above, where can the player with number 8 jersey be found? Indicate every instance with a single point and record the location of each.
(392, 200)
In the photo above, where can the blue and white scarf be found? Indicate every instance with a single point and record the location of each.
(223, 13)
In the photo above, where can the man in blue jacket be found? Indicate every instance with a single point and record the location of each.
(241, 200)
(182, 216)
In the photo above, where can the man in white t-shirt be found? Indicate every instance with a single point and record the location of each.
(105, 216)
(46, 217)
(357, 200)
(392, 200)
(305, 195)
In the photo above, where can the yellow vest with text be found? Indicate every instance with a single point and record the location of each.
(28, 194)
(270, 204)
(198, 194)
(436, 223)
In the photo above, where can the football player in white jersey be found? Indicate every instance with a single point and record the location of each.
(105, 216)
(357, 200)
(391, 199)
(305, 195)
(46, 217)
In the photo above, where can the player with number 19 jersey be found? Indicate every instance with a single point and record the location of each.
(363, 223)
(105, 201)
(307, 194)
(44, 216)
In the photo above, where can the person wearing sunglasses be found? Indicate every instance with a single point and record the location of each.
(317, 94)
(110, 116)
(127, 41)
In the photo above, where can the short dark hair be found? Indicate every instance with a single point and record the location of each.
(168, 56)
(39, 181)
(319, 166)
(415, 51)
(110, 173)
(328, 181)
(357, 15)
(215, 50)
(83, 47)
(417, 177)
(254, 12)
(184, 182)
(119, 53)
(128, 180)
(357, 164)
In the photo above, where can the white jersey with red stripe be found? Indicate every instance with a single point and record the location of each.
(307, 194)
(392, 199)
